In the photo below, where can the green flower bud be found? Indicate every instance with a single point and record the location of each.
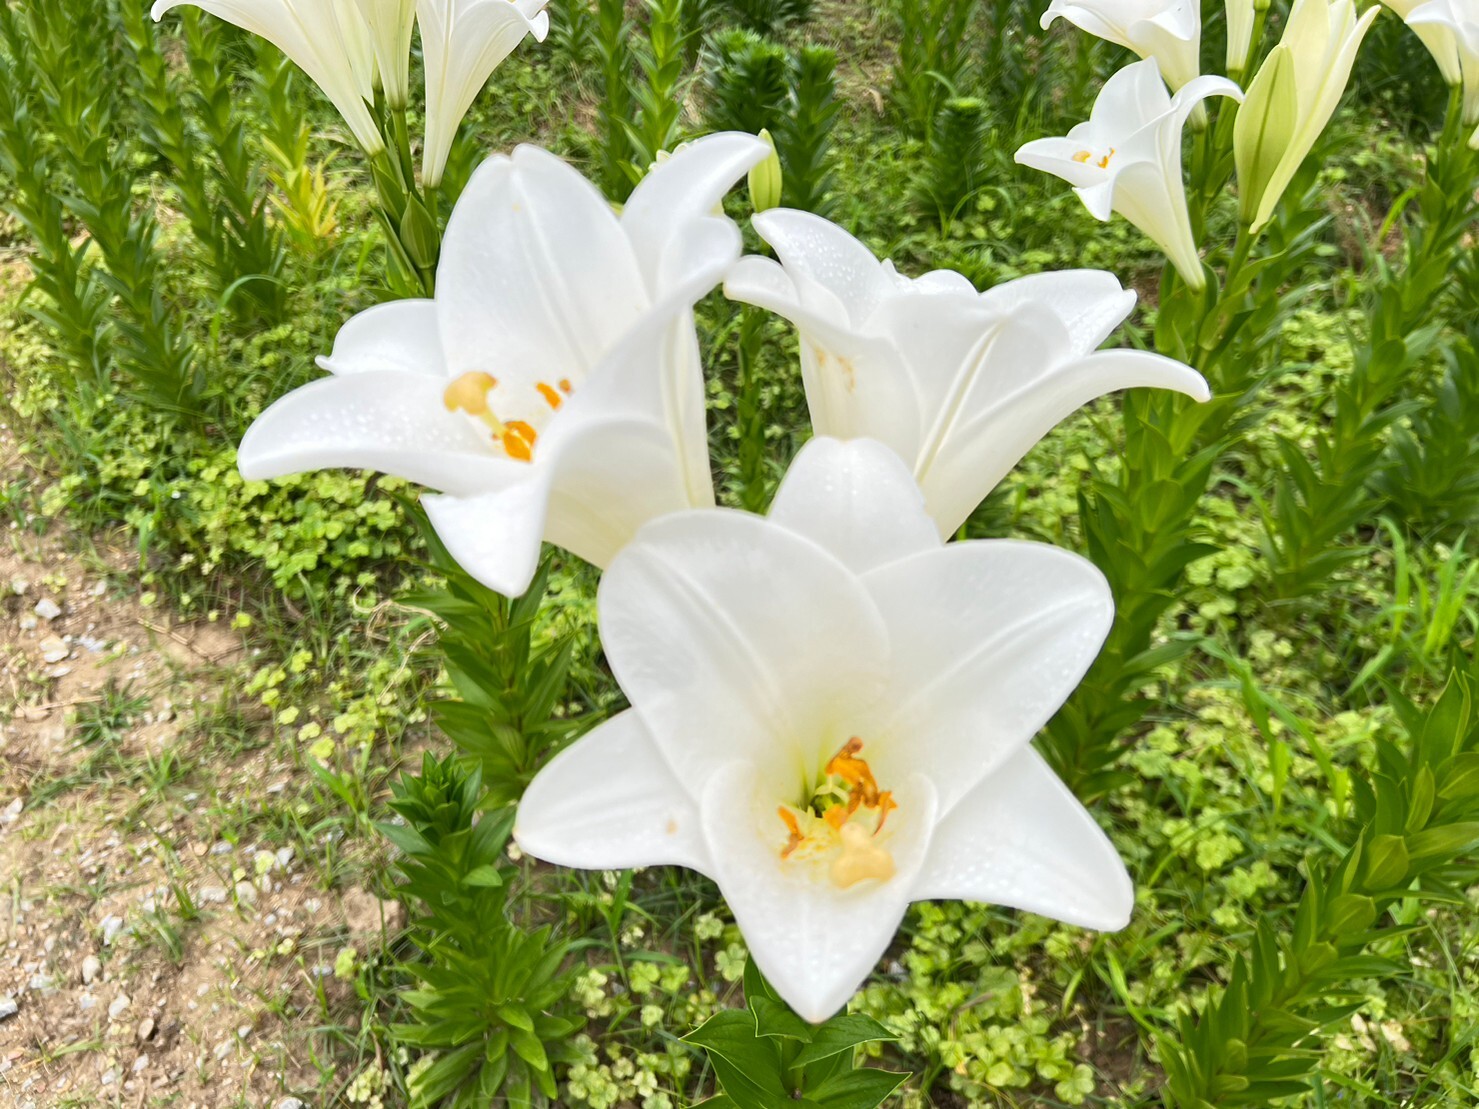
(765, 179)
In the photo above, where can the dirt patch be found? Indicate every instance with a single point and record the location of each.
(169, 918)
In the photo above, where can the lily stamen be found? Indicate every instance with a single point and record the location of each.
(847, 790)
(469, 393)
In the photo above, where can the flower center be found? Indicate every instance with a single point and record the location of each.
(1102, 161)
(469, 393)
(841, 821)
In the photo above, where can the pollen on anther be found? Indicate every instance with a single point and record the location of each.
(518, 440)
(551, 397)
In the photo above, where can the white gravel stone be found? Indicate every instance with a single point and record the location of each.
(47, 609)
(118, 1005)
(8, 1008)
(92, 966)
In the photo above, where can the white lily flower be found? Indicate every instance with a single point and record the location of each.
(1450, 31)
(1241, 17)
(1291, 99)
(328, 39)
(1126, 157)
(831, 715)
(390, 23)
(553, 389)
(463, 42)
(959, 384)
(1170, 31)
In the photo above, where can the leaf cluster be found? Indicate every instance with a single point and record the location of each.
(490, 998)
(1413, 833)
(766, 1057)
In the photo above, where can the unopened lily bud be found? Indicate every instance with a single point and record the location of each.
(1241, 15)
(419, 234)
(765, 179)
(1291, 100)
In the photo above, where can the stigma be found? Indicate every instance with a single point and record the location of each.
(841, 822)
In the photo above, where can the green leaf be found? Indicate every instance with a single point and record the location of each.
(515, 1017)
(1348, 914)
(1460, 777)
(774, 1018)
(756, 985)
(483, 877)
(1386, 861)
(1444, 842)
(731, 1036)
(857, 1089)
(842, 1033)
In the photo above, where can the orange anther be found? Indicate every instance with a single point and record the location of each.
(469, 393)
(886, 805)
(565, 386)
(551, 398)
(518, 440)
(794, 841)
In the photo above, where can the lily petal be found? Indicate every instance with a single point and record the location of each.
(643, 817)
(399, 335)
(682, 191)
(736, 639)
(327, 39)
(383, 420)
(495, 536)
(464, 41)
(988, 639)
(857, 385)
(622, 473)
(1090, 303)
(1022, 839)
(814, 942)
(992, 439)
(857, 500)
(505, 282)
(817, 250)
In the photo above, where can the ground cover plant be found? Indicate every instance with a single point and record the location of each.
(348, 741)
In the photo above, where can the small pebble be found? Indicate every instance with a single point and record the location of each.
(8, 1008)
(290, 1103)
(47, 609)
(119, 1004)
(92, 966)
(145, 1031)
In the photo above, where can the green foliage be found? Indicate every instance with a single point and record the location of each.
(511, 710)
(1415, 825)
(490, 995)
(1318, 500)
(74, 302)
(659, 100)
(766, 1057)
(957, 153)
(764, 17)
(69, 61)
(805, 137)
(617, 104)
(748, 83)
(935, 51)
